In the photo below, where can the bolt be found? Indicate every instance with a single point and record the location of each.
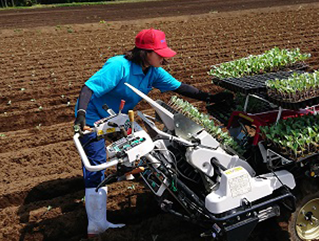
(302, 225)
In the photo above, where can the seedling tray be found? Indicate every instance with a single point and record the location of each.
(252, 84)
(305, 158)
(295, 105)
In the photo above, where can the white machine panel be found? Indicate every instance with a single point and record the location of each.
(237, 184)
(132, 147)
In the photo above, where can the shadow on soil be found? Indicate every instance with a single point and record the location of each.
(54, 210)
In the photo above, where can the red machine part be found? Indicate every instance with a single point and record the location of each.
(263, 119)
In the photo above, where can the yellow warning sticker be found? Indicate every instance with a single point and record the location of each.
(235, 169)
(109, 130)
(100, 132)
(246, 117)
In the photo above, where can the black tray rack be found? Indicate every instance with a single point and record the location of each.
(295, 105)
(257, 85)
(276, 159)
(252, 84)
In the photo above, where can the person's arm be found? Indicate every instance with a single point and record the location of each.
(166, 82)
(102, 82)
(84, 99)
(192, 92)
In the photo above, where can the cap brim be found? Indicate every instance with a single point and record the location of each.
(165, 53)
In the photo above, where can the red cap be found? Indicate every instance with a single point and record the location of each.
(152, 39)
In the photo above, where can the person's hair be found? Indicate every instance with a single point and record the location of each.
(139, 56)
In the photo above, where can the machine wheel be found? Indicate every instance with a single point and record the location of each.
(304, 222)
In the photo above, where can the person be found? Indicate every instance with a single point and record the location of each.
(141, 68)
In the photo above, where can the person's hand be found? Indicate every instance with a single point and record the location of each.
(227, 97)
(80, 120)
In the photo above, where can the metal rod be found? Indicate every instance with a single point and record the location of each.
(246, 103)
(86, 161)
(279, 114)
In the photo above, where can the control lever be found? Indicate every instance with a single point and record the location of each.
(131, 117)
(77, 129)
(108, 110)
(129, 175)
(121, 106)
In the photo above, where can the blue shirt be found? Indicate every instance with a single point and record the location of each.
(108, 86)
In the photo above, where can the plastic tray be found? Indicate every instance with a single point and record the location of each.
(295, 105)
(289, 159)
(252, 84)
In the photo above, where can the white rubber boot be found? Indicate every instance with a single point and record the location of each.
(95, 206)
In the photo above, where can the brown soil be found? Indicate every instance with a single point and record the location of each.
(43, 69)
(129, 11)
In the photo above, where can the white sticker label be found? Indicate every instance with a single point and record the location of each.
(239, 185)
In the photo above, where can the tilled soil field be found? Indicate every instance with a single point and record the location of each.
(42, 71)
(128, 11)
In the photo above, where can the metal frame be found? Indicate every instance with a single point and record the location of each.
(269, 157)
(262, 99)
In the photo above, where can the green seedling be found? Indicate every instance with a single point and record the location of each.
(271, 60)
(192, 112)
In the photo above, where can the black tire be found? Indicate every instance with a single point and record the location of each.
(308, 196)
